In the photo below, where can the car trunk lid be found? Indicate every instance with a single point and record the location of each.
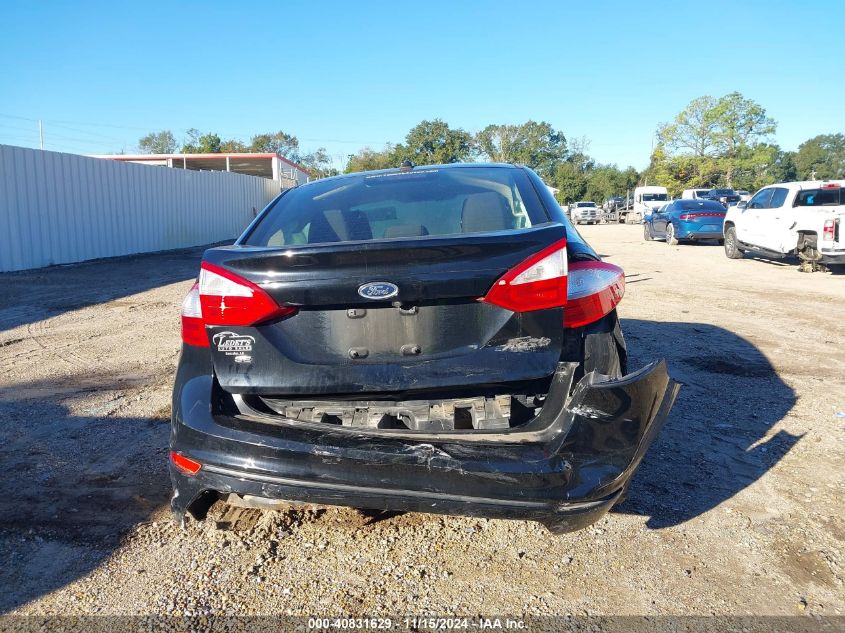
(386, 316)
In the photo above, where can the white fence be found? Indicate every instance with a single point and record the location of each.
(61, 208)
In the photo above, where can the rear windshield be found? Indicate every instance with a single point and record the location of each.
(373, 206)
(700, 205)
(722, 192)
(655, 197)
(819, 198)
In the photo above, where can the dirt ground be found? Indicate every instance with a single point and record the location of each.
(738, 508)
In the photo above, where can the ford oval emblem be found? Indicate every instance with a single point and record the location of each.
(378, 290)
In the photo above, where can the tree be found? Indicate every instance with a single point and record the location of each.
(535, 145)
(570, 181)
(692, 130)
(784, 168)
(741, 124)
(720, 136)
(434, 142)
(822, 157)
(366, 159)
(318, 164)
(605, 181)
(278, 142)
(233, 146)
(196, 143)
(157, 143)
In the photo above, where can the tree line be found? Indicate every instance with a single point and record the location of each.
(727, 142)
(713, 142)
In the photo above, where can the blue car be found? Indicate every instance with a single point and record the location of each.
(686, 220)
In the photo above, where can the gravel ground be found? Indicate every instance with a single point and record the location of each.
(737, 508)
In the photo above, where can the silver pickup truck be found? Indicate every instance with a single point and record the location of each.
(795, 218)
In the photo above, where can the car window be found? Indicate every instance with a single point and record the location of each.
(700, 205)
(394, 204)
(760, 199)
(778, 197)
(820, 197)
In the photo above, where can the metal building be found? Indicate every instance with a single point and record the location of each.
(267, 165)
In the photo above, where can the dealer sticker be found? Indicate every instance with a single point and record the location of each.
(234, 344)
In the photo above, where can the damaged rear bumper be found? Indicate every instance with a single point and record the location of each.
(565, 468)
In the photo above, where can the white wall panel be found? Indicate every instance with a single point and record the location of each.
(60, 208)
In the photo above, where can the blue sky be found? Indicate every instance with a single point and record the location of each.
(347, 74)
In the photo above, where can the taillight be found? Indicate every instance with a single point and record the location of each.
(185, 464)
(227, 299)
(537, 283)
(193, 328)
(829, 230)
(223, 298)
(689, 216)
(595, 288)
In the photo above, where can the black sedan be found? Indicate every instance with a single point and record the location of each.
(435, 339)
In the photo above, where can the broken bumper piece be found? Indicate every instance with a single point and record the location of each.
(565, 468)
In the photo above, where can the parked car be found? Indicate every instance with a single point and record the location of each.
(793, 218)
(647, 200)
(686, 220)
(726, 197)
(435, 339)
(694, 194)
(614, 203)
(585, 213)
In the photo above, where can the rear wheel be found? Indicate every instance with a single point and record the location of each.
(671, 240)
(647, 234)
(732, 250)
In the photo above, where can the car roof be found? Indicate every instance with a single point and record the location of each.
(396, 170)
(806, 184)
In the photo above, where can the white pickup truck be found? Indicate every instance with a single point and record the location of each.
(800, 218)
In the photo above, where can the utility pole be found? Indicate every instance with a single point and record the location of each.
(41, 133)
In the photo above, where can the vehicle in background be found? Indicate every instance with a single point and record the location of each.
(694, 194)
(744, 196)
(726, 197)
(647, 200)
(614, 203)
(431, 339)
(794, 218)
(584, 213)
(686, 220)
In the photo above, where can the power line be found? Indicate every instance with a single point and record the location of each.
(60, 121)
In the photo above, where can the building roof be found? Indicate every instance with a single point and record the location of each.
(243, 162)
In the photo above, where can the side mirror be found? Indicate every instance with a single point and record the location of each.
(742, 206)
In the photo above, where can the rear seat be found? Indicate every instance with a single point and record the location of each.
(334, 225)
(484, 212)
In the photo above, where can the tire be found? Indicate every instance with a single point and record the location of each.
(732, 249)
(671, 240)
(647, 234)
